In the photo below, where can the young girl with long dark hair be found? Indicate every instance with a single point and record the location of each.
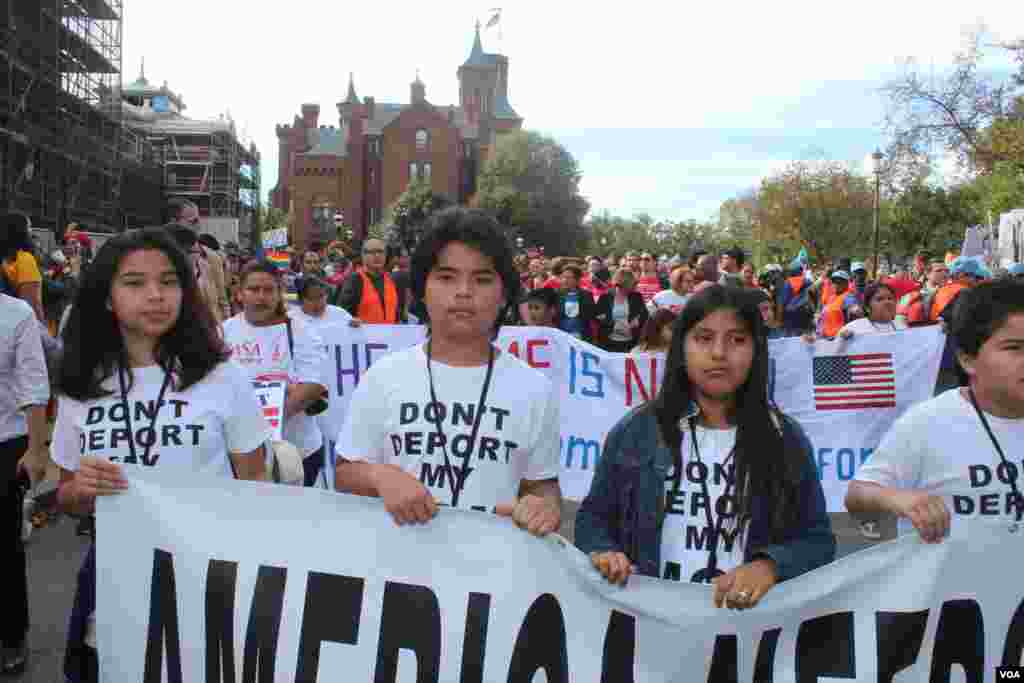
(711, 459)
(145, 380)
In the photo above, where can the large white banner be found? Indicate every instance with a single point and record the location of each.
(225, 581)
(846, 395)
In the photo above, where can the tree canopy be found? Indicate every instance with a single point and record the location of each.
(531, 183)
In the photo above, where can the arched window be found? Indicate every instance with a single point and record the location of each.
(422, 140)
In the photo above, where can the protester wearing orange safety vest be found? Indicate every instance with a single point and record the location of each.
(833, 317)
(370, 294)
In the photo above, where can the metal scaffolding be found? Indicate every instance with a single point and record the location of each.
(65, 155)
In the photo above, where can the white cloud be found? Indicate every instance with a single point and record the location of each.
(572, 64)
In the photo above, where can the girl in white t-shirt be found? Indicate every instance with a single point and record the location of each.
(880, 308)
(145, 381)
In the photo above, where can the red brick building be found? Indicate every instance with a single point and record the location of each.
(361, 166)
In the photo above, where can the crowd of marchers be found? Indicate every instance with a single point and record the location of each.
(162, 331)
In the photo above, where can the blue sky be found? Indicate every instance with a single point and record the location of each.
(669, 108)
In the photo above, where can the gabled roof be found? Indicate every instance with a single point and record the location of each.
(477, 56)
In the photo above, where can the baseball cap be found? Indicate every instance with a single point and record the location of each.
(840, 275)
(970, 267)
(857, 265)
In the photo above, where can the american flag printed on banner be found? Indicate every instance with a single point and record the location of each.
(855, 382)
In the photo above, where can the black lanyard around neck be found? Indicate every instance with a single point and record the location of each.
(458, 483)
(133, 457)
(1011, 474)
(709, 572)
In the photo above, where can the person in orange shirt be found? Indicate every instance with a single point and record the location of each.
(834, 315)
(21, 272)
(370, 294)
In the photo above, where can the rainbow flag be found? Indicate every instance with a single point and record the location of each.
(279, 259)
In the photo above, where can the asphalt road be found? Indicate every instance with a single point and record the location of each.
(55, 554)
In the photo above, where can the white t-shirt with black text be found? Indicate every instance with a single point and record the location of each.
(195, 430)
(263, 352)
(940, 446)
(390, 420)
(685, 534)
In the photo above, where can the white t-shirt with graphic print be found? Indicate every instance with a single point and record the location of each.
(940, 446)
(685, 545)
(390, 421)
(195, 430)
(263, 353)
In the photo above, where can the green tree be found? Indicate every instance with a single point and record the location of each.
(821, 205)
(405, 219)
(926, 219)
(531, 183)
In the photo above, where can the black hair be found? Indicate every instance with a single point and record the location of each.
(545, 295)
(209, 241)
(982, 310)
(183, 235)
(651, 335)
(267, 268)
(476, 229)
(764, 467)
(872, 290)
(15, 235)
(305, 284)
(737, 254)
(695, 256)
(574, 269)
(175, 205)
(93, 345)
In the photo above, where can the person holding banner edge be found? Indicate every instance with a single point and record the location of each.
(709, 480)
(959, 452)
(145, 380)
(456, 421)
(269, 344)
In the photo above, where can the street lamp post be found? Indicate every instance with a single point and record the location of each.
(877, 157)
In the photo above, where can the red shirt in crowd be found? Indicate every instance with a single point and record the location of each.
(648, 286)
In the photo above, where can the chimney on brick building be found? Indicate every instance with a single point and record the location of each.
(310, 115)
(371, 106)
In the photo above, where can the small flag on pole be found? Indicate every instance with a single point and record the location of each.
(495, 17)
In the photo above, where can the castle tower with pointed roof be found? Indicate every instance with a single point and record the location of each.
(357, 170)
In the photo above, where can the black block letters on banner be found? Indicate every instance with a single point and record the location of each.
(474, 644)
(221, 580)
(541, 644)
(163, 622)
(900, 635)
(824, 647)
(260, 652)
(959, 639)
(333, 606)
(410, 620)
(725, 659)
(1014, 638)
(619, 649)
